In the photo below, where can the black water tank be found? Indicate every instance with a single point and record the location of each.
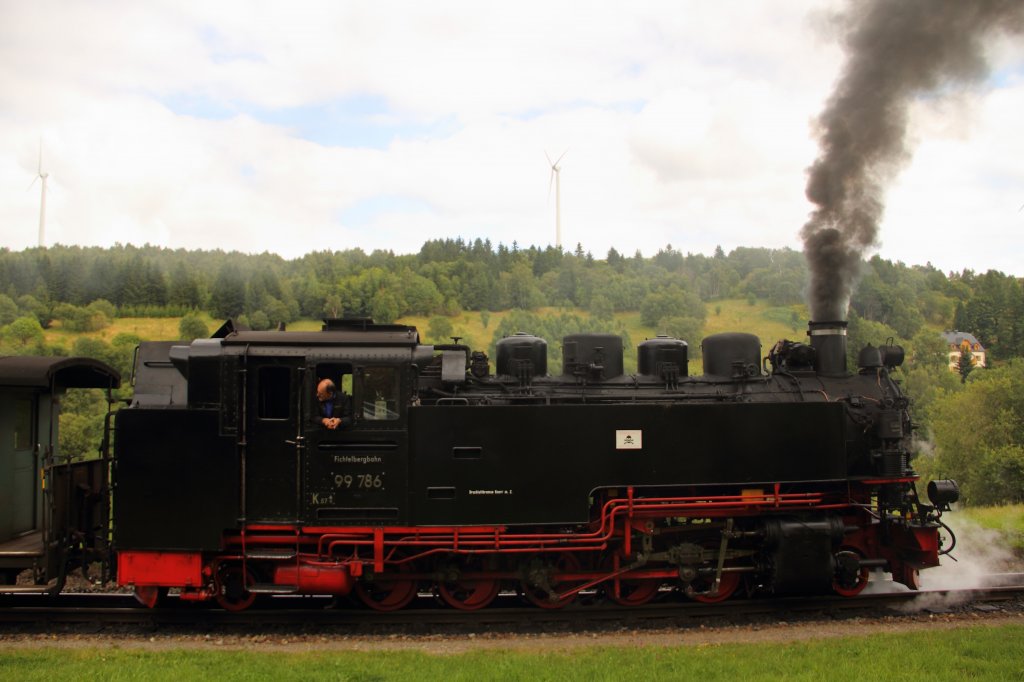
(653, 354)
(732, 354)
(522, 352)
(581, 352)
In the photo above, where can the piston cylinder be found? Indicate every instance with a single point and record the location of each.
(315, 578)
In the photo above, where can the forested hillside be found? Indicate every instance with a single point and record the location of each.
(82, 290)
(78, 287)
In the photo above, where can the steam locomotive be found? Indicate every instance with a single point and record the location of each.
(778, 474)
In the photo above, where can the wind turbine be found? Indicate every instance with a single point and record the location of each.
(556, 178)
(41, 175)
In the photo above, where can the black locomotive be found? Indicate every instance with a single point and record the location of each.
(779, 474)
(788, 474)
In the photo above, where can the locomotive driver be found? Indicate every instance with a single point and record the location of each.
(330, 413)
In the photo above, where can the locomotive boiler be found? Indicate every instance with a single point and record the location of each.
(784, 473)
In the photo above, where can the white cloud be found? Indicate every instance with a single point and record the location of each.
(963, 192)
(684, 123)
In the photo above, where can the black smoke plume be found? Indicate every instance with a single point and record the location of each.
(896, 50)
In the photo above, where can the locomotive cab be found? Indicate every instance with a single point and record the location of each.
(356, 472)
(299, 469)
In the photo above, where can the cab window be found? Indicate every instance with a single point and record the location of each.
(339, 374)
(274, 392)
(380, 393)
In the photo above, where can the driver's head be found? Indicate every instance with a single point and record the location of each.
(325, 390)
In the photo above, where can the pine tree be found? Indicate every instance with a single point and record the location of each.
(966, 363)
(228, 296)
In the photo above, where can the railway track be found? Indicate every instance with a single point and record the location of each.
(102, 610)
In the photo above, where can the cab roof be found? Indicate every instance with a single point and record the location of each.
(36, 371)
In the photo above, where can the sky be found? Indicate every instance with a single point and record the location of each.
(310, 126)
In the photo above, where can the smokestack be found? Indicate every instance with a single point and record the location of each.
(897, 50)
(828, 339)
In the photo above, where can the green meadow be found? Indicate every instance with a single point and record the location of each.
(977, 653)
(1007, 520)
(768, 323)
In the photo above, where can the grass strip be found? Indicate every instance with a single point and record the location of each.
(977, 653)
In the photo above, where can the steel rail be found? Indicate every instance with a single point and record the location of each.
(105, 609)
